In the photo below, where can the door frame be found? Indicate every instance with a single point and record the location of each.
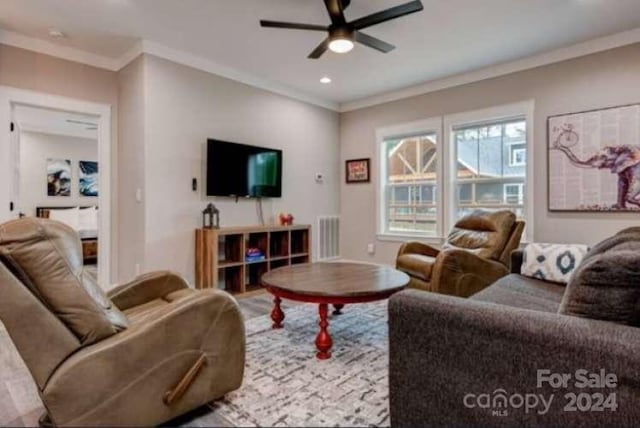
(10, 96)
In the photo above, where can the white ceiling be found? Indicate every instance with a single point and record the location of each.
(56, 122)
(449, 37)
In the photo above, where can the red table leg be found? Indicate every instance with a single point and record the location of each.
(337, 309)
(323, 340)
(276, 314)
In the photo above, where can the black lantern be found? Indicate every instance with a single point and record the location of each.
(211, 217)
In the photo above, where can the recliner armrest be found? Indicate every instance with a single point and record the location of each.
(145, 288)
(462, 273)
(517, 258)
(417, 248)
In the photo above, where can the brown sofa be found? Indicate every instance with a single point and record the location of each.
(475, 254)
(145, 353)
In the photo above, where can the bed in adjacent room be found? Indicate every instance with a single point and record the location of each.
(84, 220)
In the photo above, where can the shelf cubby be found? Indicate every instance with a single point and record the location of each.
(258, 240)
(299, 259)
(279, 244)
(255, 271)
(221, 254)
(275, 264)
(300, 241)
(230, 278)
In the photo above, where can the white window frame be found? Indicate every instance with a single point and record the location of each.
(523, 109)
(520, 187)
(512, 155)
(427, 126)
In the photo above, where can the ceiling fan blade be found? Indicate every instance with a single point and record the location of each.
(322, 48)
(336, 11)
(386, 15)
(372, 42)
(292, 25)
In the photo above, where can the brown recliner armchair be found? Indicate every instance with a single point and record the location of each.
(145, 353)
(476, 253)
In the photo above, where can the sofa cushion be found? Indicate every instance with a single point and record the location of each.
(552, 262)
(46, 256)
(606, 285)
(484, 233)
(522, 292)
(416, 265)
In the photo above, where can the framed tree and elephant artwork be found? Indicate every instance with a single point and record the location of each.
(594, 160)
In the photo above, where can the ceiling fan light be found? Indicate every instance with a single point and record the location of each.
(340, 45)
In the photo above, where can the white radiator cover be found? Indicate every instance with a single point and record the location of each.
(328, 239)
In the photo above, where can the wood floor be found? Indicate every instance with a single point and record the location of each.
(20, 405)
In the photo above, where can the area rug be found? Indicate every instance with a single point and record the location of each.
(285, 385)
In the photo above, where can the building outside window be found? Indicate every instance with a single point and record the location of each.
(410, 184)
(490, 165)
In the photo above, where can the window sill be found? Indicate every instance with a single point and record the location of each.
(400, 237)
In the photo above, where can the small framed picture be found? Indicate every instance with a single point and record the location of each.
(357, 170)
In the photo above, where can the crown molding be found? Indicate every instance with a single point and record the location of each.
(558, 55)
(181, 57)
(200, 63)
(46, 47)
(147, 47)
(126, 58)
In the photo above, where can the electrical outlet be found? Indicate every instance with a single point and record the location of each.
(371, 248)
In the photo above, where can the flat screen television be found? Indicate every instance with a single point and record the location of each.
(241, 170)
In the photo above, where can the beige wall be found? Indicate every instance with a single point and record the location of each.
(131, 167)
(28, 70)
(165, 113)
(605, 79)
(35, 149)
(183, 108)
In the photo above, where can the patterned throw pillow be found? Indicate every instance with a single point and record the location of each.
(552, 262)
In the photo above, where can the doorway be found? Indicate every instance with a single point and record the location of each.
(55, 163)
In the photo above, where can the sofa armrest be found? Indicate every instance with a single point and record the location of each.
(462, 273)
(134, 368)
(417, 248)
(145, 288)
(517, 258)
(443, 348)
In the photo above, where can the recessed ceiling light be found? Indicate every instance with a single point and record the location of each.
(55, 33)
(325, 80)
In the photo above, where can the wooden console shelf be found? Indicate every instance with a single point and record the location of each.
(221, 254)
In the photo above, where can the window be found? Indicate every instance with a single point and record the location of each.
(490, 165)
(517, 155)
(514, 194)
(427, 182)
(409, 184)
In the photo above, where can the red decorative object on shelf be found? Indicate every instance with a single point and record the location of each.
(286, 219)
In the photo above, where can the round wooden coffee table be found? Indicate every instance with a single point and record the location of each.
(334, 284)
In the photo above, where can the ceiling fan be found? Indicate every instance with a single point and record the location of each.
(342, 34)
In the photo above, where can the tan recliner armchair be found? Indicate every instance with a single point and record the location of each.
(476, 253)
(145, 353)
